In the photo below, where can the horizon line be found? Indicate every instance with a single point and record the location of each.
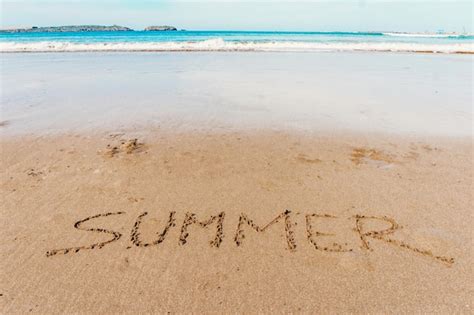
(441, 31)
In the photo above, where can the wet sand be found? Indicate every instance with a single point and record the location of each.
(248, 221)
(395, 93)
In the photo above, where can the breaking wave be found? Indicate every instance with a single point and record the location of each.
(218, 44)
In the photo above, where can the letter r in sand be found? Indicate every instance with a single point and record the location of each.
(382, 235)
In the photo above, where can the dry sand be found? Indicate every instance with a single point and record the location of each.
(177, 222)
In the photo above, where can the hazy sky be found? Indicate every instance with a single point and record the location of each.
(349, 15)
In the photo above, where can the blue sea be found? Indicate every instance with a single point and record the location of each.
(236, 41)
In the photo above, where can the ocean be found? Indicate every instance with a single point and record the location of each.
(236, 41)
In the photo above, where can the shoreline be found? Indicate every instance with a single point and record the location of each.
(431, 52)
(147, 131)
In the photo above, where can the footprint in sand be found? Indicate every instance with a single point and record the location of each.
(133, 199)
(387, 160)
(33, 173)
(429, 148)
(126, 146)
(303, 158)
(412, 155)
(370, 156)
(425, 147)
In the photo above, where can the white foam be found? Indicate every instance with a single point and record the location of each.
(219, 44)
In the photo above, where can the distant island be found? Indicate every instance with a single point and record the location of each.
(161, 28)
(70, 28)
(84, 28)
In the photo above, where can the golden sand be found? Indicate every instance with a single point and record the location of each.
(235, 222)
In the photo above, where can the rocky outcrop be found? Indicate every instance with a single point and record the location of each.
(71, 28)
(161, 28)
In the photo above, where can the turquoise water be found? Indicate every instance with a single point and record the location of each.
(235, 40)
(235, 36)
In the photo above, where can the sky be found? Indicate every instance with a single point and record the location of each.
(309, 15)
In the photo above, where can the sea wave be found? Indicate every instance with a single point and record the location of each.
(218, 44)
(427, 35)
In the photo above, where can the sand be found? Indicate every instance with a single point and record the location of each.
(248, 221)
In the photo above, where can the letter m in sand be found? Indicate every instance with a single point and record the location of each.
(243, 219)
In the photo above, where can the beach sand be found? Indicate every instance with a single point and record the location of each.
(244, 221)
